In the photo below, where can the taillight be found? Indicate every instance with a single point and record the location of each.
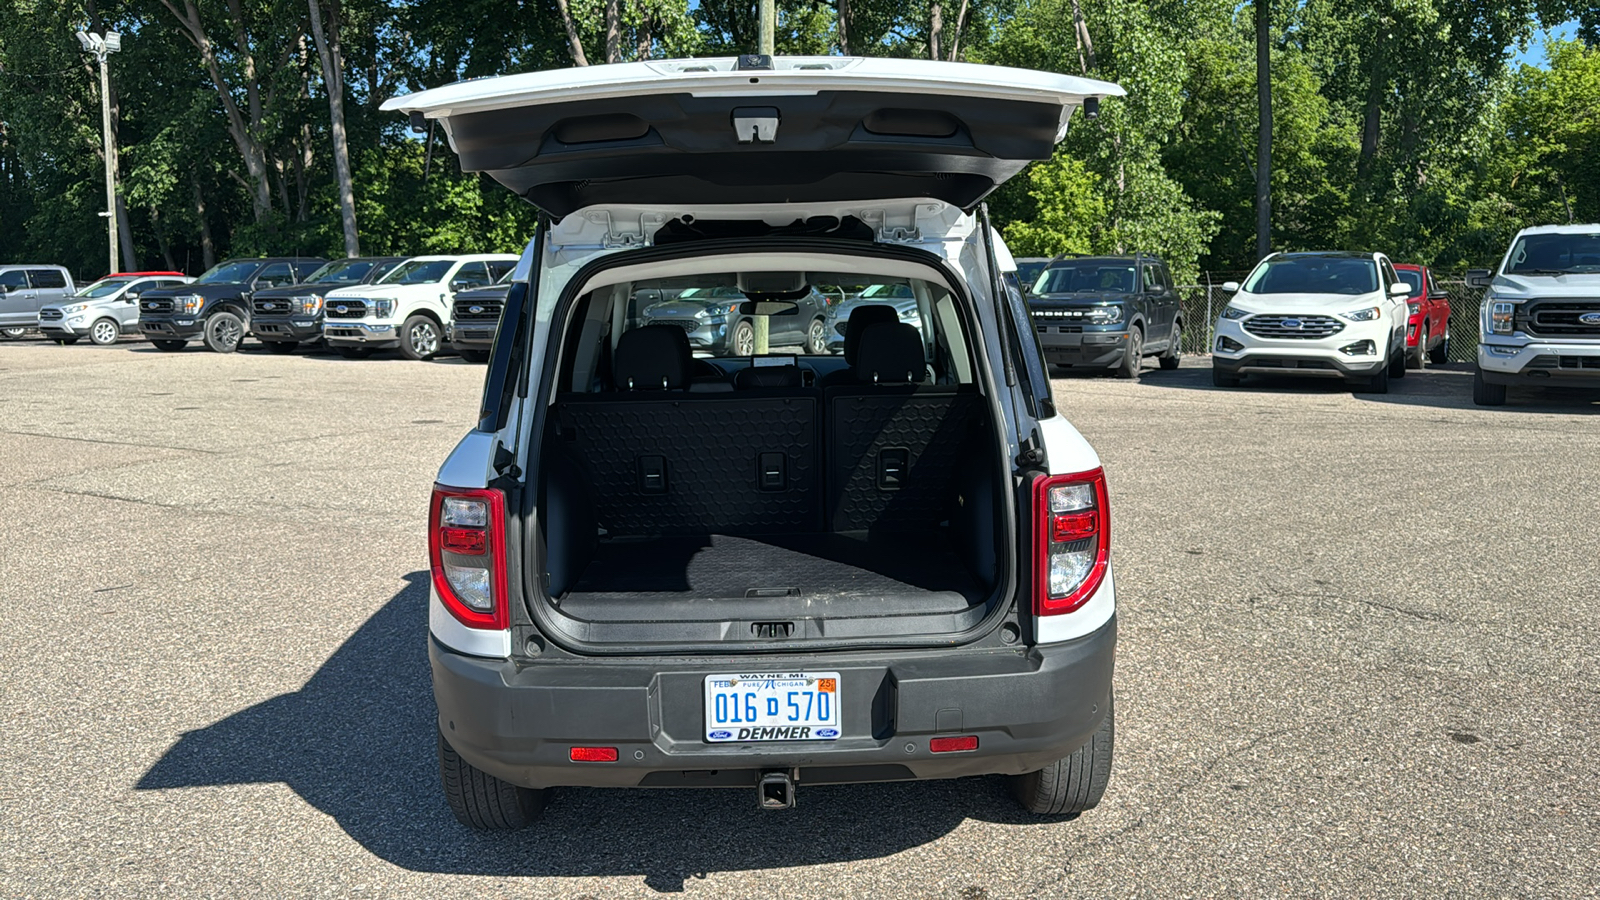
(467, 551)
(1072, 521)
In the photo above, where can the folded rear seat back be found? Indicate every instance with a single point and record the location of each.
(895, 444)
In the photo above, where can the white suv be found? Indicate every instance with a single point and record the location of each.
(1540, 322)
(410, 307)
(1325, 314)
(656, 566)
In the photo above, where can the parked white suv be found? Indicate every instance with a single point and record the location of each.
(1540, 321)
(1323, 314)
(410, 307)
(654, 566)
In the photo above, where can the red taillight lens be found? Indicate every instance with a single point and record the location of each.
(592, 754)
(467, 552)
(1072, 525)
(954, 744)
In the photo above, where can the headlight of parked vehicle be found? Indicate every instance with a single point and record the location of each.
(384, 307)
(1233, 312)
(309, 304)
(1104, 315)
(187, 303)
(1502, 316)
(1414, 308)
(74, 308)
(1365, 314)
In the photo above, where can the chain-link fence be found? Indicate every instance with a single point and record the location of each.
(1202, 302)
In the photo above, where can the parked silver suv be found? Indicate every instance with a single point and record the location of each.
(26, 288)
(103, 311)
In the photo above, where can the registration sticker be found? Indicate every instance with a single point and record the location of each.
(772, 706)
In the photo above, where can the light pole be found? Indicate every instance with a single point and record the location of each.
(102, 47)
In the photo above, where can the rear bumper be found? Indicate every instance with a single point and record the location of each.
(286, 329)
(1087, 348)
(1028, 709)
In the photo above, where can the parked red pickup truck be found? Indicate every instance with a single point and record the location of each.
(1428, 332)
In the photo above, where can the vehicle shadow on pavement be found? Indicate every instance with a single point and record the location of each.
(1448, 386)
(358, 743)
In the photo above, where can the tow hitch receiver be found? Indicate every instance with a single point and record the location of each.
(775, 790)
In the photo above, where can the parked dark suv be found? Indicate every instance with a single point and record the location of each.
(475, 316)
(657, 566)
(216, 306)
(283, 317)
(1107, 312)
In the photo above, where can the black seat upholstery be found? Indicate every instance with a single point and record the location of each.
(861, 319)
(890, 353)
(755, 377)
(652, 358)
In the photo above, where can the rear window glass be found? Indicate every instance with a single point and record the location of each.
(47, 278)
(1314, 275)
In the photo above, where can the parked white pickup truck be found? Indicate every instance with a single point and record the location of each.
(410, 307)
(1540, 322)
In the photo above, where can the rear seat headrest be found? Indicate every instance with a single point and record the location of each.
(768, 377)
(891, 353)
(652, 358)
(862, 318)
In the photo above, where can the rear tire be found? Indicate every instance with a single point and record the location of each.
(1133, 357)
(355, 352)
(13, 334)
(224, 332)
(1441, 354)
(1220, 378)
(482, 801)
(282, 347)
(66, 341)
(169, 346)
(420, 338)
(1075, 784)
(1486, 394)
(1174, 355)
(104, 332)
(474, 356)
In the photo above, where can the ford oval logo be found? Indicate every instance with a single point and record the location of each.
(1291, 323)
(474, 309)
(341, 308)
(1589, 318)
(720, 735)
(827, 732)
(269, 306)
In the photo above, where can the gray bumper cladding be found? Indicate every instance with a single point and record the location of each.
(1027, 708)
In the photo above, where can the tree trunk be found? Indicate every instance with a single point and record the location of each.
(935, 26)
(328, 51)
(162, 243)
(645, 40)
(574, 43)
(1371, 119)
(961, 24)
(130, 259)
(208, 247)
(1264, 130)
(242, 132)
(613, 31)
(1080, 29)
(844, 27)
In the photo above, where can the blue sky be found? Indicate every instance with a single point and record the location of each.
(1534, 55)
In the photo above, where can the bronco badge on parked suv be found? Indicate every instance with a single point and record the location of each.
(660, 567)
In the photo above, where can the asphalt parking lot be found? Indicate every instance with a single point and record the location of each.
(1360, 655)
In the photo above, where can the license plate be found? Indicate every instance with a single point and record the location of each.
(773, 706)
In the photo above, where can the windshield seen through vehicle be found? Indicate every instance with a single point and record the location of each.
(229, 273)
(419, 271)
(1554, 254)
(1412, 279)
(341, 271)
(1097, 278)
(1315, 275)
(105, 287)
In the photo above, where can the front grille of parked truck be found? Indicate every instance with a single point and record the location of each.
(485, 310)
(275, 306)
(1563, 318)
(157, 305)
(345, 308)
